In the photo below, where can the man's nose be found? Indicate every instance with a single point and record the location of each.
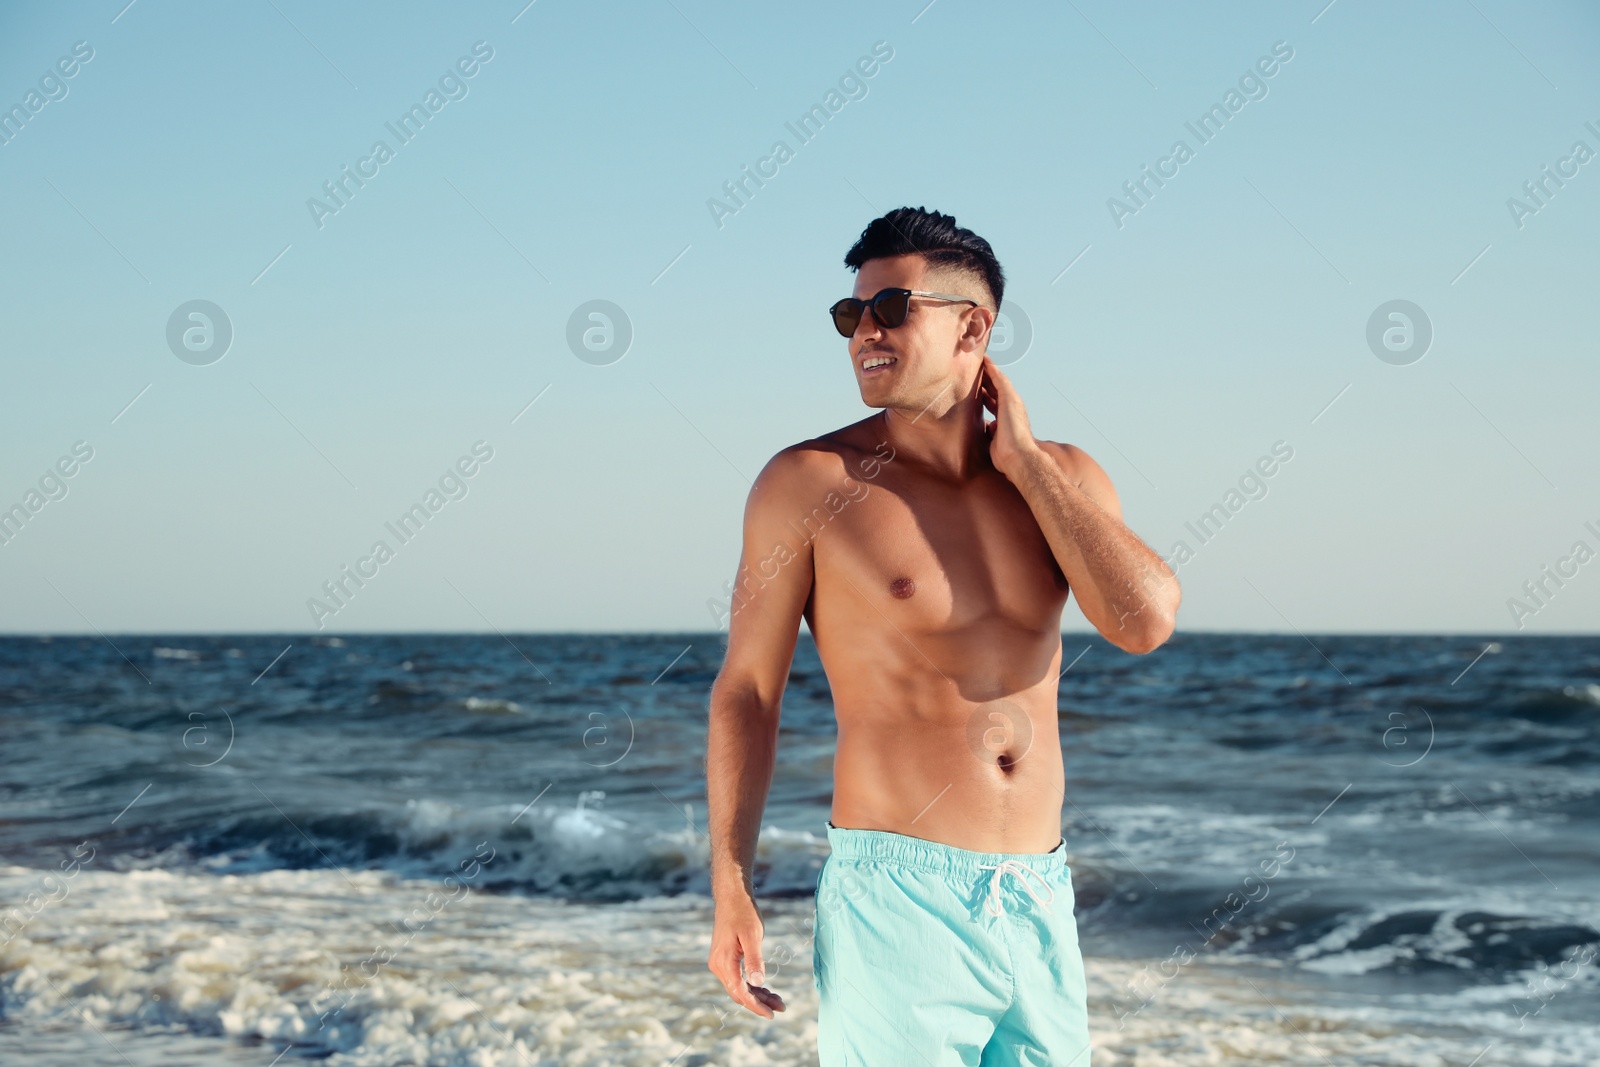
(867, 330)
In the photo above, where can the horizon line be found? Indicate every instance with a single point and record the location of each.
(804, 632)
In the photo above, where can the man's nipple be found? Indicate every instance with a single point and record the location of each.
(902, 588)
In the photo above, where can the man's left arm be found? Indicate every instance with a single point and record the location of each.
(1123, 588)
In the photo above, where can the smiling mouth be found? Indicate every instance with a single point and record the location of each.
(876, 363)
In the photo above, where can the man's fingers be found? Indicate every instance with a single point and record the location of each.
(746, 996)
(743, 974)
(754, 971)
(748, 999)
(993, 377)
(770, 999)
(740, 993)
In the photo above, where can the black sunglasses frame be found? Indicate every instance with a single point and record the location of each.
(854, 307)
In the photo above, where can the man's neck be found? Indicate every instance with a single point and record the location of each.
(946, 436)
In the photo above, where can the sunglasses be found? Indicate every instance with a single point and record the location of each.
(889, 308)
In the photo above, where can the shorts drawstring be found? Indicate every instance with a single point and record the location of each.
(1021, 871)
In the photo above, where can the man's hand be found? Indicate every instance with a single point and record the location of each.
(735, 939)
(1010, 438)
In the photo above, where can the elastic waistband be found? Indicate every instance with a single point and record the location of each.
(884, 846)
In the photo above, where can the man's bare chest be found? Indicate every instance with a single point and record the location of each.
(930, 556)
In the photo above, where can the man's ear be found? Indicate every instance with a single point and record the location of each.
(975, 335)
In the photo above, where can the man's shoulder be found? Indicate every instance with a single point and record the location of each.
(833, 455)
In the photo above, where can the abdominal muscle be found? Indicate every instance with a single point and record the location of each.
(954, 740)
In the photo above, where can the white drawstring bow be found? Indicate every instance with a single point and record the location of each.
(1021, 871)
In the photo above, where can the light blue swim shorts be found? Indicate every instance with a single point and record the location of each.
(928, 954)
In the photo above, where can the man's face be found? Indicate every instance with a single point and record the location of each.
(934, 352)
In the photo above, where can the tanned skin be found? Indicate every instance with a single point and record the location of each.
(931, 552)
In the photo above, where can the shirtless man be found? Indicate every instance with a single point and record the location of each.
(931, 552)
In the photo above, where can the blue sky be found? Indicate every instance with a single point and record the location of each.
(369, 353)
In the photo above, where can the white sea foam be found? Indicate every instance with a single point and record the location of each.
(295, 957)
(491, 706)
(298, 957)
(1589, 693)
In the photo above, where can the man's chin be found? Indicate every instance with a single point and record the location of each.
(883, 395)
(873, 395)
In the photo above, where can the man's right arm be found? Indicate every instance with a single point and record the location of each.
(770, 593)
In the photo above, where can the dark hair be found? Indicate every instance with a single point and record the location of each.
(933, 236)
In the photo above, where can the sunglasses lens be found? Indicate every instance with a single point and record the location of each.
(891, 306)
(889, 309)
(847, 316)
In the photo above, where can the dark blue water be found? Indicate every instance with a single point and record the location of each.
(1374, 812)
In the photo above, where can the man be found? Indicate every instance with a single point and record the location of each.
(931, 551)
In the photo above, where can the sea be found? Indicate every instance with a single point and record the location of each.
(490, 850)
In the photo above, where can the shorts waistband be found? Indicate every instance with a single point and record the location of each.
(885, 846)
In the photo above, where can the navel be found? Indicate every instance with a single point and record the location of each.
(902, 588)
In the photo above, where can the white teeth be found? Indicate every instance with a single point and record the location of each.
(876, 361)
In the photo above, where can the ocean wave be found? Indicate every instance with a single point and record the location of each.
(1538, 703)
(1560, 704)
(1466, 941)
(579, 852)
